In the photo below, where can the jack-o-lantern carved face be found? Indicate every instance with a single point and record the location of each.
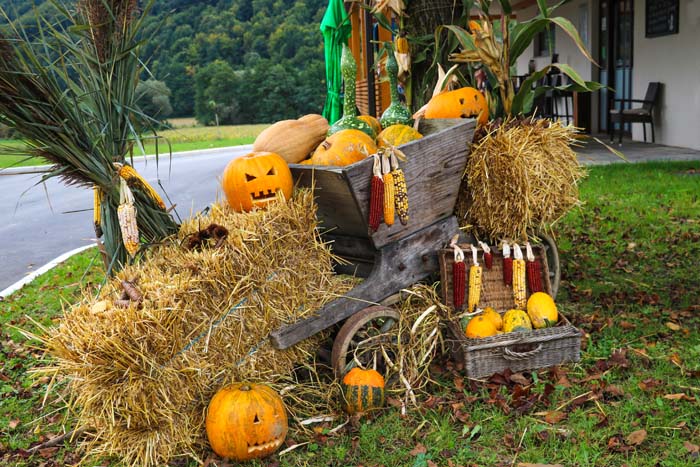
(246, 421)
(255, 179)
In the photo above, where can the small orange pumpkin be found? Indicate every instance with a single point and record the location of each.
(396, 135)
(344, 148)
(464, 102)
(246, 421)
(363, 390)
(255, 179)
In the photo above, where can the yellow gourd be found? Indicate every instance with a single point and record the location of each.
(494, 316)
(516, 321)
(542, 310)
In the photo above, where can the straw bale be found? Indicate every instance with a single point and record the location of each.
(522, 175)
(141, 377)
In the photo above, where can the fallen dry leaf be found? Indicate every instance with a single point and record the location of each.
(519, 378)
(636, 437)
(419, 449)
(554, 417)
(679, 396)
(673, 326)
(13, 424)
(692, 448)
(676, 359)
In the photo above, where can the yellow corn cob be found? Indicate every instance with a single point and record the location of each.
(474, 286)
(132, 177)
(389, 190)
(389, 198)
(400, 190)
(401, 44)
(126, 213)
(97, 210)
(519, 293)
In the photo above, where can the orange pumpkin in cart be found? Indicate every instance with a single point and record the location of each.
(254, 180)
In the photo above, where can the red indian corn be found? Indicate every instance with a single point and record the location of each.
(507, 265)
(459, 276)
(533, 270)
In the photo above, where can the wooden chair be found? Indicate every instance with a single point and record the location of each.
(643, 114)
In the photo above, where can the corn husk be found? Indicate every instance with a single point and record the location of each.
(522, 175)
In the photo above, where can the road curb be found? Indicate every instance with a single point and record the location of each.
(45, 268)
(45, 168)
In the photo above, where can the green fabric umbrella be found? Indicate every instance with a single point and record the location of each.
(336, 29)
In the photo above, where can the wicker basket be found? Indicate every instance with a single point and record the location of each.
(516, 351)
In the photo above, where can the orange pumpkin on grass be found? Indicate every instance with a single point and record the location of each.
(246, 421)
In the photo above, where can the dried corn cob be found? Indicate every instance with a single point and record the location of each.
(126, 213)
(507, 265)
(389, 190)
(132, 177)
(474, 282)
(376, 196)
(519, 291)
(488, 256)
(97, 210)
(459, 277)
(401, 43)
(533, 270)
(400, 190)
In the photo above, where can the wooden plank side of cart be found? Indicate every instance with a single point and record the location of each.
(402, 255)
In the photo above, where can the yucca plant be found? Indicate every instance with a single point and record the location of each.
(69, 90)
(497, 44)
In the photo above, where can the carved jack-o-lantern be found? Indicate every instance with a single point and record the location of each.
(246, 421)
(255, 179)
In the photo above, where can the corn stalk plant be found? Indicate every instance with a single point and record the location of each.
(497, 44)
(69, 89)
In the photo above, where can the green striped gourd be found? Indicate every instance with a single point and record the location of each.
(349, 121)
(396, 112)
(363, 390)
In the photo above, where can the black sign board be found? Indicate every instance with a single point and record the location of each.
(661, 17)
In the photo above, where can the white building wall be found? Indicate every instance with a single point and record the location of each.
(673, 60)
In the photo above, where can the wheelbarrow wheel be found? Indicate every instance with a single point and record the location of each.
(362, 337)
(552, 254)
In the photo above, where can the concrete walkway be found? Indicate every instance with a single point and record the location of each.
(593, 153)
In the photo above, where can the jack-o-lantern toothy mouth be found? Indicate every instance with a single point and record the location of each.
(262, 196)
(264, 447)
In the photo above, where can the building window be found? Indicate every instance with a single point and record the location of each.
(544, 42)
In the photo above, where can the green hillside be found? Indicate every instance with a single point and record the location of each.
(247, 61)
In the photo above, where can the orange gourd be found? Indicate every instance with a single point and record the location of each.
(363, 390)
(246, 421)
(480, 326)
(254, 180)
(344, 148)
(464, 102)
(396, 135)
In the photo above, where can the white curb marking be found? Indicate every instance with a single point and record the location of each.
(47, 267)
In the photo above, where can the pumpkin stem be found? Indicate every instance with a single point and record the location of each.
(245, 387)
(326, 145)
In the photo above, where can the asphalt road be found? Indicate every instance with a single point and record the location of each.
(50, 219)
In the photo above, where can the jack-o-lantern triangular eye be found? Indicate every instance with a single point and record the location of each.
(256, 420)
(249, 177)
(272, 171)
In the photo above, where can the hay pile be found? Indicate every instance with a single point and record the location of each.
(141, 377)
(522, 175)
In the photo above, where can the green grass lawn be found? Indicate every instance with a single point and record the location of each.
(181, 139)
(629, 282)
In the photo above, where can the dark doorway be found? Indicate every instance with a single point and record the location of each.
(615, 30)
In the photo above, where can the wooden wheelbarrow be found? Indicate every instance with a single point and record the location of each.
(392, 258)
